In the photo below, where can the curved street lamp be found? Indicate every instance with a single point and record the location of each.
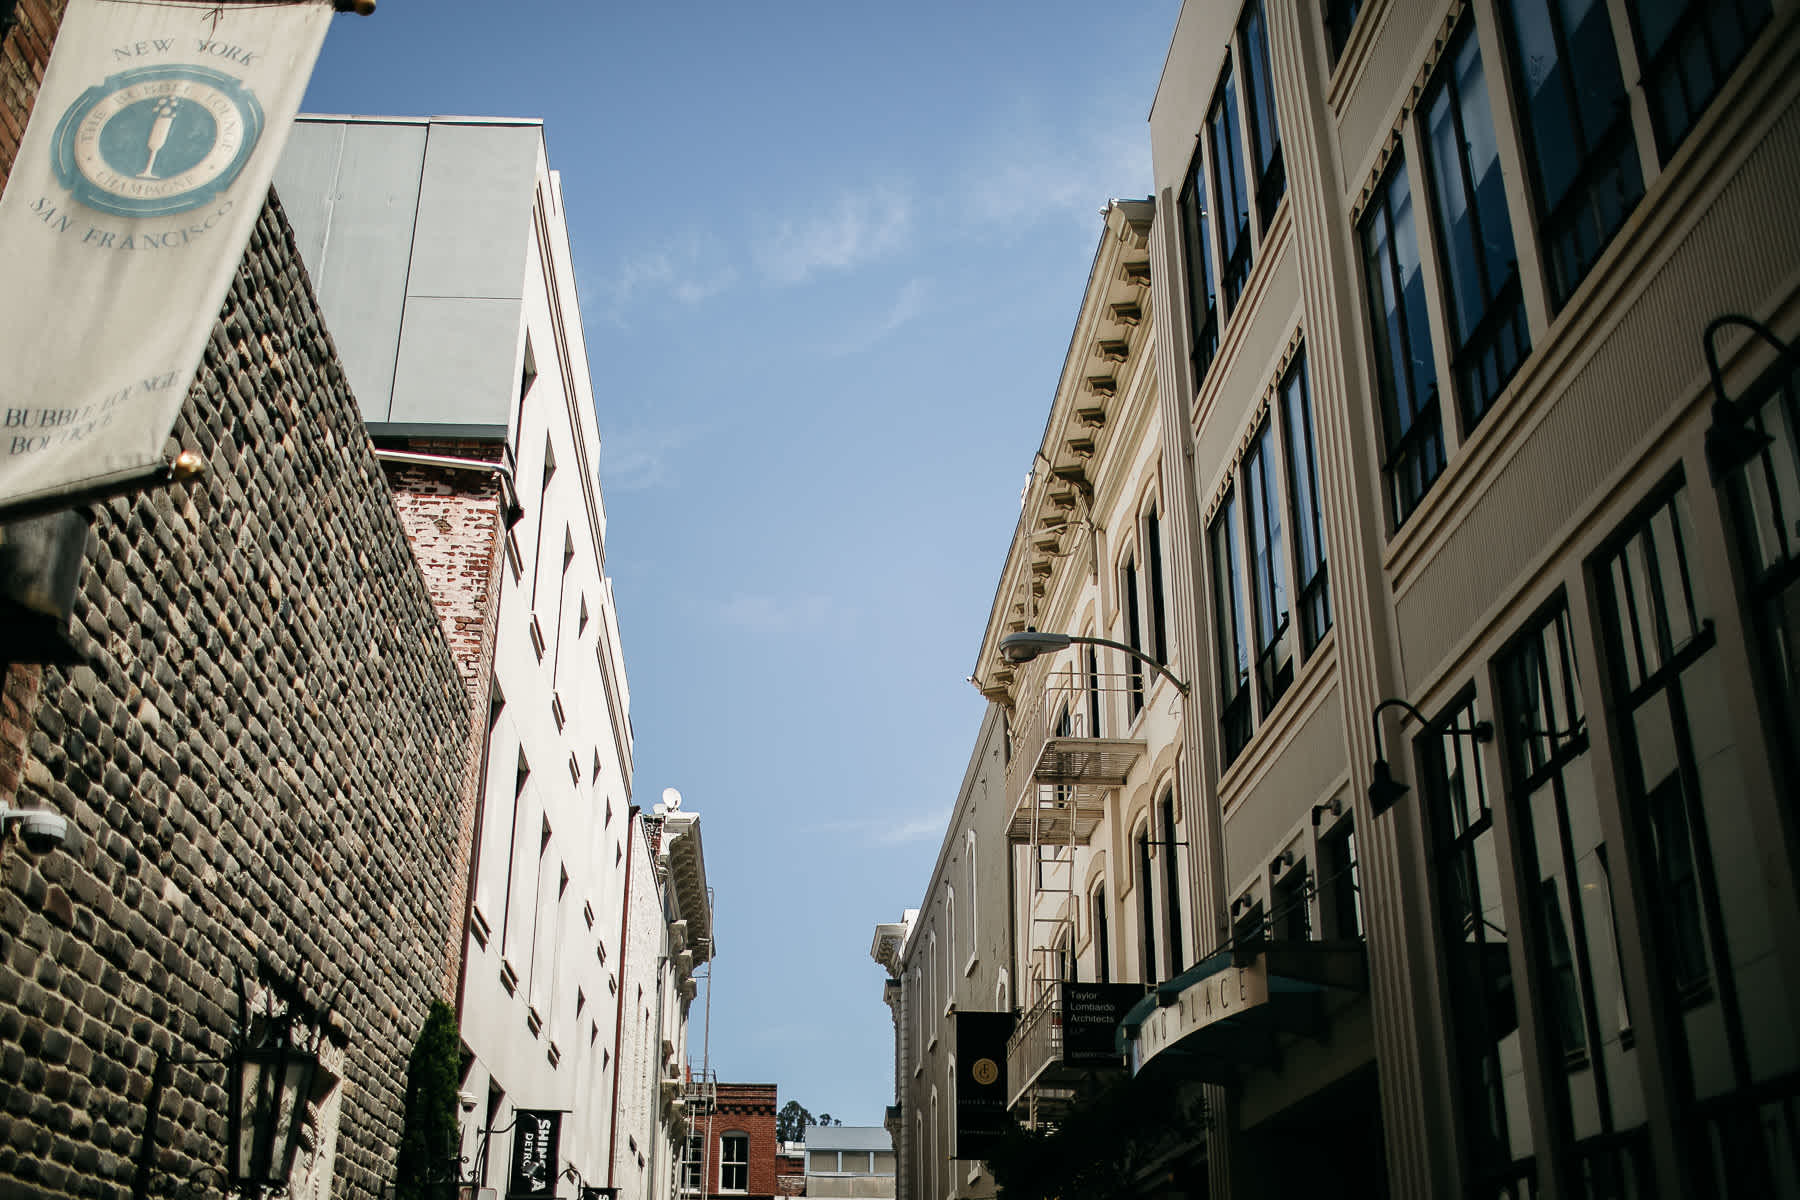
(1017, 648)
(1384, 790)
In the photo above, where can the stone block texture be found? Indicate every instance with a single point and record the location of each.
(264, 758)
(24, 53)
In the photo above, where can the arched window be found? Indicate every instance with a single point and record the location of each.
(950, 940)
(1101, 933)
(1146, 907)
(1171, 882)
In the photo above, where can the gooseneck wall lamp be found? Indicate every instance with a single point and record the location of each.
(1732, 440)
(1384, 790)
(1019, 648)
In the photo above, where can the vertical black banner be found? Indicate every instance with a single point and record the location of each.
(981, 1116)
(535, 1136)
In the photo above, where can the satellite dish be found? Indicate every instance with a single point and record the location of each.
(672, 799)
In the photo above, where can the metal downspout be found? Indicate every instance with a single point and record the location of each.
(612, 1134)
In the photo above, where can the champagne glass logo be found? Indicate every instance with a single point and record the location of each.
(159, 133)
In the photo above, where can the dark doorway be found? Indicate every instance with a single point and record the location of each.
(1329, 1144)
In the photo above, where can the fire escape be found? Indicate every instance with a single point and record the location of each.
(1062, 774)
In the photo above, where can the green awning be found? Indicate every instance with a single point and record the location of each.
(1227, 1011)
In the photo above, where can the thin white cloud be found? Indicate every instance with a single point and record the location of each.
(859, 227)
(687, 270)
(1028, 172)
(907, 305)
(771, 615)
(638, 459)
(917, 827)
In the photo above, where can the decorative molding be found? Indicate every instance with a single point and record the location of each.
(1446, 30)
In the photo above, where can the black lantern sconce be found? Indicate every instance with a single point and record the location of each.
(1384, 790)
(274, 1066)
(1733, 439)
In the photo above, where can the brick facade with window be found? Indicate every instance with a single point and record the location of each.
(745, 1110)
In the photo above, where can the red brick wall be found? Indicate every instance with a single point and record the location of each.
(24, 53)
(749, 1108)
(452, 520)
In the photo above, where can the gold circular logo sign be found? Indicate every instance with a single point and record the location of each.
(985, 1071)
(157, 140)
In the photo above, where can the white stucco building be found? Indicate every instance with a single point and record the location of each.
(439, 250)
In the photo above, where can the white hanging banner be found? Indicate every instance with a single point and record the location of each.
(140, 177)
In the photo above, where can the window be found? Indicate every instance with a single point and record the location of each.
(1232, 219)
(1303, 493)
(1687, 51)
(734, 1162)
(1486, 309)
(1134, 634)
(1146, 908)
(1563, 859)
(1340, 895)
(1247, 931)
(521, 775)
(1203, 312)
(1093, 695)
(1268, 573)
(950, 957)
(1340, 19)
(537, 554)
(1102, 935)
(1290, 918)
(1684, 792)
(1159, 614)
(1171, 884)
(1259, 101)
(1577, 122)
(934, 969)
(1228, 630)
(1405, 372)
(974, 904)
(1474, 931)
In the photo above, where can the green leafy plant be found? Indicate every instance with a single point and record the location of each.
(430, 1142)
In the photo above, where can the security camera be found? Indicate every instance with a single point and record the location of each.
(40, 829)
(467, 1100)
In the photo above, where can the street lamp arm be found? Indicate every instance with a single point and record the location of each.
(1481, 731)
(1135, 653)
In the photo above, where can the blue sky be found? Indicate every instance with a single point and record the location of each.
(829, 258)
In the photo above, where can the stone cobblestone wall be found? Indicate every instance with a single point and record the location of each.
(264, 758)
(24, 54)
